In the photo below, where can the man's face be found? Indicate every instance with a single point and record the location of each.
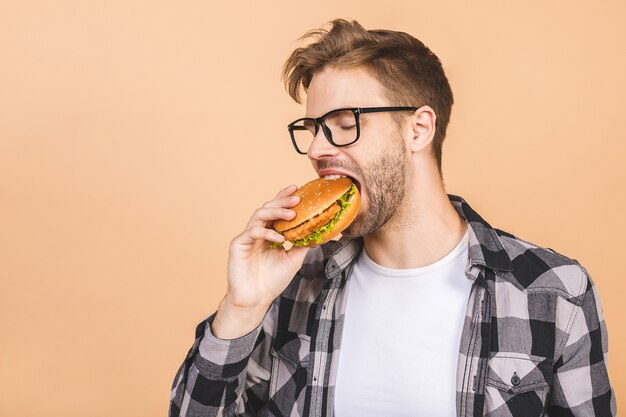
(378, 160)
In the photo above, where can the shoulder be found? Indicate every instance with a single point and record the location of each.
(542, 269)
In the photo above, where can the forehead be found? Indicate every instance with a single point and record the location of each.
(333, 88)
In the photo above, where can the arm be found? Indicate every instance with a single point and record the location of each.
(225, 377)
(581, 385)
(227, 370)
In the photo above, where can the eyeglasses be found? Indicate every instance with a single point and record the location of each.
(340, 126)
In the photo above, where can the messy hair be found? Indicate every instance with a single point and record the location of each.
(409, 72)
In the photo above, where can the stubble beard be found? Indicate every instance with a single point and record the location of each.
(384, 181)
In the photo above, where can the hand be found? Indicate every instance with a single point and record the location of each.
(257, 274)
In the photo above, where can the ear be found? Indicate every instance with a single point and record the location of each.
(422, 128)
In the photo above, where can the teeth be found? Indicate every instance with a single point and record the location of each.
(332, 177)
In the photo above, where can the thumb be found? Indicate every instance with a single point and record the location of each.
(297, 254)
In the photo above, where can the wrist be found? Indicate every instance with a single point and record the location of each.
(232, 321)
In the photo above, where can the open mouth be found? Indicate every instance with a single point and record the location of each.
(358, 184)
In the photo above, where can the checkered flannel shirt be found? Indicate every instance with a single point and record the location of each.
(534, 341)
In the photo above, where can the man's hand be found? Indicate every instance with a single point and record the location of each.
(257, 274)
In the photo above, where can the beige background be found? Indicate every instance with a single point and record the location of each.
(137, 137)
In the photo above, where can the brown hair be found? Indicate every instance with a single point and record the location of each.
(410, 73)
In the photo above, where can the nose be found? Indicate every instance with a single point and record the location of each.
(321, 147)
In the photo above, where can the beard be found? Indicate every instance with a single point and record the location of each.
(384, 178)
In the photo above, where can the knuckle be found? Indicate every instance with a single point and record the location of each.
(250, 229)
(260, 214)
(257, 230)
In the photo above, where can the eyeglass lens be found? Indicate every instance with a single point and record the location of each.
(342, 126)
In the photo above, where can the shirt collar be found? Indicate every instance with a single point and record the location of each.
(484, 246)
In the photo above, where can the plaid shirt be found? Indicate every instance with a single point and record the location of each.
(534, 342)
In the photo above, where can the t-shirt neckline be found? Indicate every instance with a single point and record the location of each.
(459, 249)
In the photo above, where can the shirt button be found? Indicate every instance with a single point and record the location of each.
(515, 379)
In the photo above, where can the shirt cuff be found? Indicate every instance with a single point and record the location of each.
(225, 358)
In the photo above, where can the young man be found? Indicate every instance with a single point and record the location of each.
(421, 308)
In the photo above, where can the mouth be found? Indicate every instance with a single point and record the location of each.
(334, 176)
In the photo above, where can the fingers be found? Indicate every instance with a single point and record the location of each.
(255, 233)
(286, 201)
(269, 214)
(297, 254)
(278, 208)
(286, 191)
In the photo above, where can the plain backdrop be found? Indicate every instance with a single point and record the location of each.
(138, 137)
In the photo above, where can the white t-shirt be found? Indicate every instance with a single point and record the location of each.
(401, 337)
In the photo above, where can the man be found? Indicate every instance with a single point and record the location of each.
(421, 308)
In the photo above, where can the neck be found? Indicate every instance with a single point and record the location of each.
(424, 229)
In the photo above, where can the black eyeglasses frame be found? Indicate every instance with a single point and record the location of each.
(320, 121)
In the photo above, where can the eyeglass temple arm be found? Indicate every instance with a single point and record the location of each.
(383, 109)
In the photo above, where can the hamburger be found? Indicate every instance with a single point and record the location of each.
(326, 208)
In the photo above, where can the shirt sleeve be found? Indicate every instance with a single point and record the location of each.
(222, 377)
(581, 385)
